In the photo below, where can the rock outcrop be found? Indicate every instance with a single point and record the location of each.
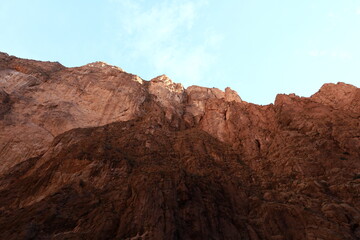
(94, 152)
(48, 99)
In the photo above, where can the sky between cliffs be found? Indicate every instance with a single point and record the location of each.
(257, 47)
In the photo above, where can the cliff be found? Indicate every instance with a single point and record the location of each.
(93, 152)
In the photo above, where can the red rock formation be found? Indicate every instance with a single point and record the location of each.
(96, 153)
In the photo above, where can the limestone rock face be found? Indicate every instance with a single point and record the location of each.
(49, 100)
(5, 103)
(170, 95)
(339, 96)
(231, 95)
(93, 152)
(198, 97)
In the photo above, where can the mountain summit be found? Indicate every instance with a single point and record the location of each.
(93, 152)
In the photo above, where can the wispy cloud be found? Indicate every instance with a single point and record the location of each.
(162, 35)
(340, 54)
(331, 14)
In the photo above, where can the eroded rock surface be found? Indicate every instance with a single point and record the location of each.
(94, 152)
(48, 99)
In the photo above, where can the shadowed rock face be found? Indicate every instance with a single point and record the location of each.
(96, 153)
(5, 103)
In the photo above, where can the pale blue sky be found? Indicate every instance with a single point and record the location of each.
(257, 47)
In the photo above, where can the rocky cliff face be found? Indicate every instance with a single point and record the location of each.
(96, 153)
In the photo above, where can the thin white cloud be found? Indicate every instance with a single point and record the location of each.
(331, 14)
(162, 34)
(340, 54)
(317, 53)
